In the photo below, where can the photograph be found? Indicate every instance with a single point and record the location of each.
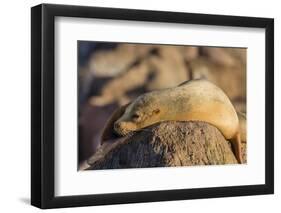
(139, 105)
(160, 105)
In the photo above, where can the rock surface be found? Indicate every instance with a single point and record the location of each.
(167, 144)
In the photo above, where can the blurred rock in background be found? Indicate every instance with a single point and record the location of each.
(113, 74)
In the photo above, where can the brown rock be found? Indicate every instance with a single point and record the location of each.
(167, 144)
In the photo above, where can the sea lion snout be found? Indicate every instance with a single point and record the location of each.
(124, 127)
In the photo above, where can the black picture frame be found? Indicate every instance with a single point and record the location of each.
(43, 102)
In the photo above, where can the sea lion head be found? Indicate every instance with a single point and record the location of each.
(142, 112)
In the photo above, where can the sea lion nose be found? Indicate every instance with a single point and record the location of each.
(119, 128)
(118, 125)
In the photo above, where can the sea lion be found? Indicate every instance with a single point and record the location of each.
(194, 100)
(242, 126)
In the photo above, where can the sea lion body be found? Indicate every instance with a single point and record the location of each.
(242, 126)
(195, 100)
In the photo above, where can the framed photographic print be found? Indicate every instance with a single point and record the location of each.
(140, 106)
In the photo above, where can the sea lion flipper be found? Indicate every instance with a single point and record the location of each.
(236, 144)
(242, 126)
(108, 129)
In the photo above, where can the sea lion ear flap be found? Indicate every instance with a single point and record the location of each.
(156, 111)
(108, 132)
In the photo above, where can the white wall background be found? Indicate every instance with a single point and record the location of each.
(15, 105)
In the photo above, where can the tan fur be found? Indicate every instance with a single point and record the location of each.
(196, 100)
(242, 126)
